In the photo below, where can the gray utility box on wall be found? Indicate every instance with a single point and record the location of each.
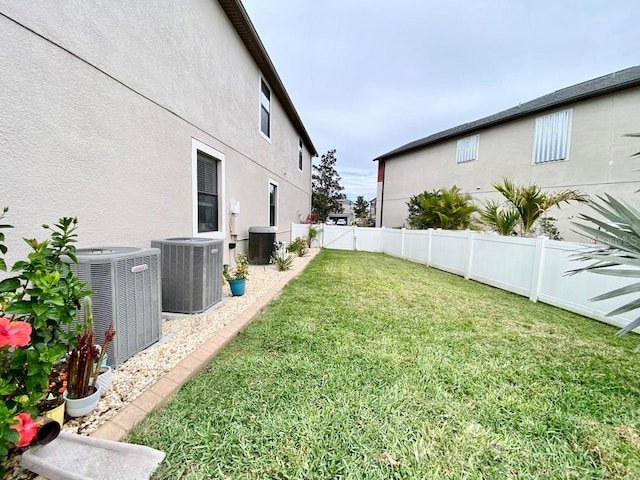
(191, 273)
(262, 243)
(126, 291)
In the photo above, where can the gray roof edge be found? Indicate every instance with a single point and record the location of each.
(609, 83)
(240, 20)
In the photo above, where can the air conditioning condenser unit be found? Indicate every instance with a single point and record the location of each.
(126, 291)
(191, 273)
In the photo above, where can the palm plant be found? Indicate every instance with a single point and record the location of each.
(502, 220)
(618, 237)
(449, 209)
(527, 202)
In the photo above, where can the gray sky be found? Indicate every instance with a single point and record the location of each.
(369, 76)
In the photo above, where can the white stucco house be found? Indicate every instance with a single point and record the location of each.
(571, 138)
(146, 121)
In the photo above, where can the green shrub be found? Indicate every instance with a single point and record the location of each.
(45, 296)
(298, 246)
(449, 209)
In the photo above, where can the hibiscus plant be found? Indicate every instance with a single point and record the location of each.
(38, 306)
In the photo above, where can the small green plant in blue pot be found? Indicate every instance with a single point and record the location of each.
(237, 277)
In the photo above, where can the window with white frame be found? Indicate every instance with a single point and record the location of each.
(551, 137)
(300, 153)
(273, 204)
(467, 149)
(265, 109)
(208, 190)
(207, 193)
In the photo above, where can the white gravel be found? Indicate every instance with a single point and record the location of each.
(180, 336)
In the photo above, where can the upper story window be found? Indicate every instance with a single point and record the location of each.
(551, 138)
(300, 152)
(265, 109)
(467, 149)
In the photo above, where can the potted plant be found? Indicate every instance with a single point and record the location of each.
(52, 404)
(83, 367)
(238, 276)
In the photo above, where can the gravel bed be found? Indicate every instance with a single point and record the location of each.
(180, 336)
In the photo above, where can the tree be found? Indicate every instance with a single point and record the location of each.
(524, 206)
(325, 187)
(361, 207)
(449, 209)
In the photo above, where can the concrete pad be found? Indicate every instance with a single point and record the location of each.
(77, 457)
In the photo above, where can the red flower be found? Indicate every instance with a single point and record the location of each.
(14, 333)
(26, 428)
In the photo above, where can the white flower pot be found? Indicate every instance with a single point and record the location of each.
(79, 407)
(105, 379)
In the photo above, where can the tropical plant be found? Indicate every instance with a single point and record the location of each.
(15, 337)
(449, 209)
(47, 293)
(281, 261)
(325, 187)
(312, 234)
(618, 238)
(502, 220)
(85, 359)
(240, 272)
(298, 246)
(37, 309)
(528, 203)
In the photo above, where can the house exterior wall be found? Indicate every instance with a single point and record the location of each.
(101, 106)
(598, 160)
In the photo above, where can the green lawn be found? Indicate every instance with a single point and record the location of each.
(373, 367)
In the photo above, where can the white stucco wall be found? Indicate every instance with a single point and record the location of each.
(100, 103)
(599, 161)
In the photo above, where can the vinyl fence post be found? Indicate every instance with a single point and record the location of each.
(402, 244)
(429, 239)
(355, 238)
(538, 267)
(469, 259)
(381, 230)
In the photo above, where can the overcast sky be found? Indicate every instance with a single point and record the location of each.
(369, 76)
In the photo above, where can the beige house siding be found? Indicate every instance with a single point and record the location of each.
(101, 107)
(598, 159)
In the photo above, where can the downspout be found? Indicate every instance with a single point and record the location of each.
(381, 180)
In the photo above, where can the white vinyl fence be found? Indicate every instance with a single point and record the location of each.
(532, 267)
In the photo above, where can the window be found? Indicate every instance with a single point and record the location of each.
(273, 203)
(265, 109)
(207, 193)
(300, 152)
(467, 149)
(551, 138)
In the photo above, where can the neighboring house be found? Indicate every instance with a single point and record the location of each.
(346, 217)
(372, 210)
(572, 138)
(146, 121)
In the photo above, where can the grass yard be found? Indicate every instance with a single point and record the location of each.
(371, 367)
